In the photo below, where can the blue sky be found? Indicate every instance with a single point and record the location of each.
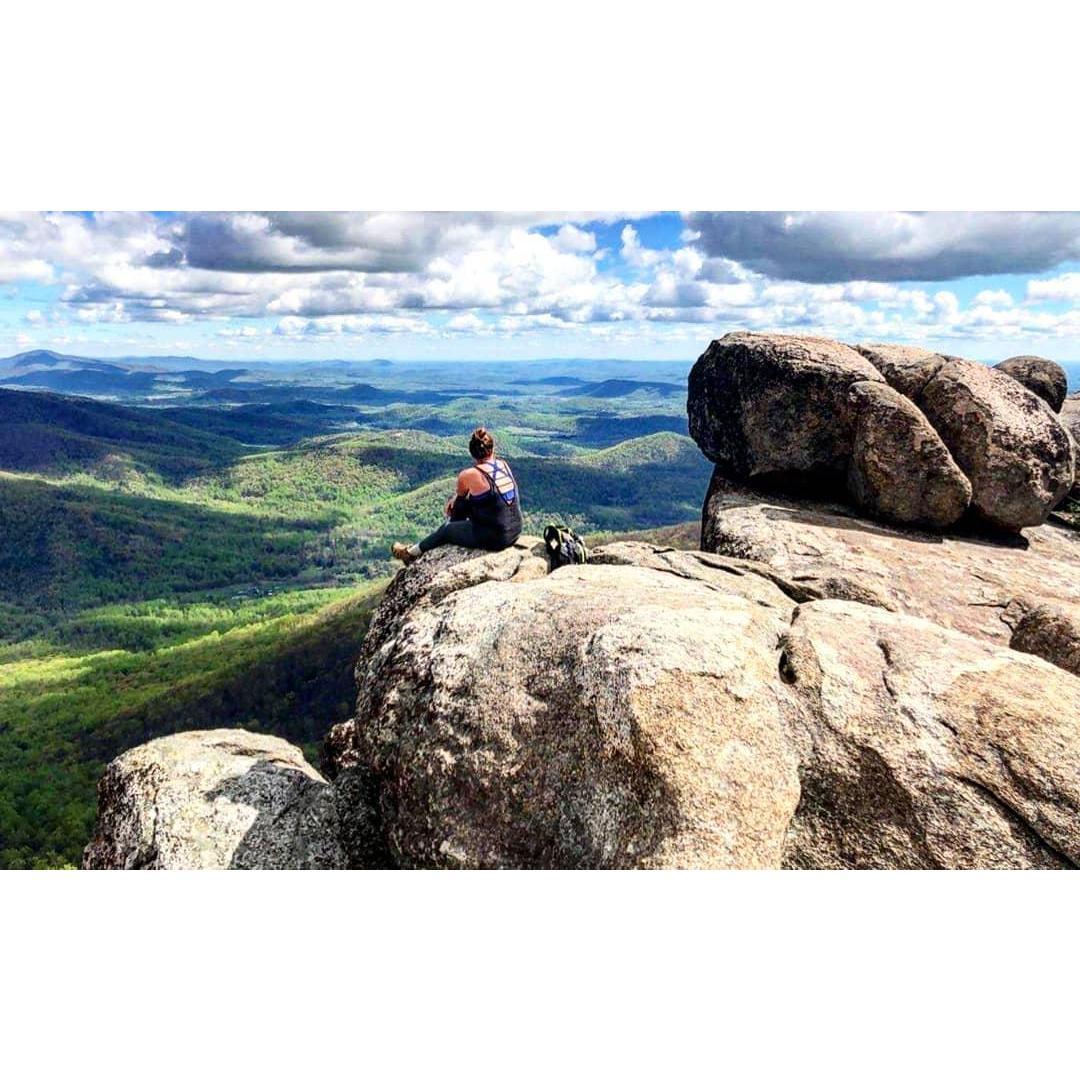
(255, 285)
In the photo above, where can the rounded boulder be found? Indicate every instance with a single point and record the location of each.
(773, 408)
(215, 800)
(1018, 457)
(906, 368)
(1039, 375)
(899, 468)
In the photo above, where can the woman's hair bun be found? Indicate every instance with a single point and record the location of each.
(481, 443)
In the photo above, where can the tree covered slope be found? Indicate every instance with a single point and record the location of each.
(165, 569)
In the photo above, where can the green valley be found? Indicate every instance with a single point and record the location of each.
(193, 562)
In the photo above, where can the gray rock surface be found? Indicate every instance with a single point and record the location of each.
(1070, 421)
(602, 716)
(689, 712)
(702, 566)
(1043, 377)
(922, 747)
(214, 800)
(1070, 415)
(774, 408)
(1052, 632)
(808, 416)
(963, 581)
(1019, 459)
(424, 584)
(906, 368)
(899, 468)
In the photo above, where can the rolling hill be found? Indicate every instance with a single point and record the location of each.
(615, 388)
(165, 568)
(54, 435)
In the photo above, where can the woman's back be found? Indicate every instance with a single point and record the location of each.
(485, 509)
(497, 511)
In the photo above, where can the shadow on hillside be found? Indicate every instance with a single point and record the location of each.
(28, 448)
(67, 548)
(647, 488)
(57, 436)
(610, 429)
(293, 682)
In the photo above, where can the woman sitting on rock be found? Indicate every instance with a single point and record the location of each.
(484, 512)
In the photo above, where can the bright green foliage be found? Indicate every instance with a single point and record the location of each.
(281, 665)
(156, 576)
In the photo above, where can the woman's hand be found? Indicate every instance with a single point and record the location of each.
(450, 505)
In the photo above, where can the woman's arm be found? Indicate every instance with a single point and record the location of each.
(455, 505)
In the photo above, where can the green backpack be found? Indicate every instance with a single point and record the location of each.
(564, 547)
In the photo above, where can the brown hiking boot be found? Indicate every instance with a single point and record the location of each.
(401, 551)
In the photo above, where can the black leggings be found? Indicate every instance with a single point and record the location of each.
(462, 533)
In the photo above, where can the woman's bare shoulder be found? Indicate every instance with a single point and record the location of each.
(473, 479)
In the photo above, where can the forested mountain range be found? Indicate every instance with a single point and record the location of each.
(180, 550)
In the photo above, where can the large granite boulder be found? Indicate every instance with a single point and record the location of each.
(1070, 416)
(921, 747)
(775, 409)
(602, 716)
(1042, 377)
(783, 413)
(658, 708)
(1019, 459)
(215, 800)
(906, 368)
(959, 580)
(668, 708)
(1070, 420)
(900, 469)
(1051, 631)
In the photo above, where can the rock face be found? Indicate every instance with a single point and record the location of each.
(962, 581)
(686, 711)
(775, 409)
(899, 468)
(922, 747)
(906, 368)
(603, 716)
(1070, 420)
(1052, 632)
(658, 708)
(806, 415)
(1040, 376)
(1070, 416)
(1010, 446)
(214, 800)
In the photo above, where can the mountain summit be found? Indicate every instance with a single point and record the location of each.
(820, 688)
